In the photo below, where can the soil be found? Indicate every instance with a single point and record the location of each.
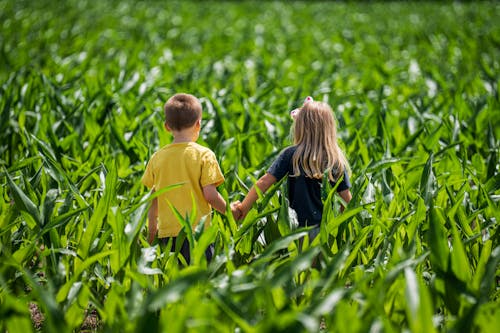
(91, 323)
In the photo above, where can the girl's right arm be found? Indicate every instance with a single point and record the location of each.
(263, 184)
(346, 196)
(152, 220)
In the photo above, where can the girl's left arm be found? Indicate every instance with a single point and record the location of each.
(346, 196)
(264, 183)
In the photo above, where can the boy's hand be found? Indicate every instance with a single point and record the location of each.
(236, 210)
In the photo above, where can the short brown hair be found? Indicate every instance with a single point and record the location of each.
(182, 111)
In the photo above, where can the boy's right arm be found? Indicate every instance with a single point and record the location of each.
(264, 183)
(152, 220)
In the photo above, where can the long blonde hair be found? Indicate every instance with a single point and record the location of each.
(315, 135)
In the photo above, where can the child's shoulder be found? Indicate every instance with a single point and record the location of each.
(290, 150)
(198, 151)
(286, 154)
(198, 147)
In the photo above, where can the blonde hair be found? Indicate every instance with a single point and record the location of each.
(315, 135)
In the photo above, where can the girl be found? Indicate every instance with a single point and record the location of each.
(315, 151)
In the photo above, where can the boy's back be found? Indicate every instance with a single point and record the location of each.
(190, 165)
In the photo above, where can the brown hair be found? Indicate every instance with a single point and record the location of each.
(315, 135)
(182, 111)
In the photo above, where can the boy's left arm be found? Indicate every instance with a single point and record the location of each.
(214, 198)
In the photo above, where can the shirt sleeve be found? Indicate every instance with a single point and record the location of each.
(345, 184)
(211, 172)
(281, 165)
(148, 177)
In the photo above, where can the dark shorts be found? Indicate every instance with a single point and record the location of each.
(184, 248)
(312, 234)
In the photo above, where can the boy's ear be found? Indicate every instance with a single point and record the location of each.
(167, 127)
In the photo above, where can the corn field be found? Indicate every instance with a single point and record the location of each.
(415, 91)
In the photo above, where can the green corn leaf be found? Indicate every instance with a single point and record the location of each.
(302, 262)
(15, 314)
(48, 205)
(427, 181)
(62, 220)
(459, 263)
(466, 322)
(418, 305)
(206, 238)
(24, 203)
(345, 216)
(482, 264)
(490, 274)
(328, 304)
(185, 223)
(438, 240)
(279, 244)
(62, 294)
(174, 291)
(99, 214)
(232, 310)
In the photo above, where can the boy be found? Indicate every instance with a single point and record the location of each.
(187, 163)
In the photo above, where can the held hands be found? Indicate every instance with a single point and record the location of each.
(237, 210)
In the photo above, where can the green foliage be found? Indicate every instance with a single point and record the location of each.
(415, 93)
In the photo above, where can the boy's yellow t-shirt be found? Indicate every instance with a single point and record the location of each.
(191, 165)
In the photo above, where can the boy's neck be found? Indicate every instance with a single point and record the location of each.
(186, 135)
(182, 140)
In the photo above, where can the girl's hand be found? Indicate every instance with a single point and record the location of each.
(236, 210)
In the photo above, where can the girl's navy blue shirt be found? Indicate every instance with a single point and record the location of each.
(304, 193)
